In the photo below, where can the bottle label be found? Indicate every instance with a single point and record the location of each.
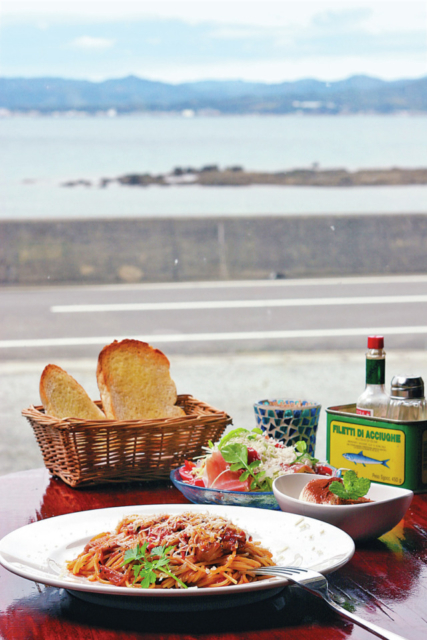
(364, 412)
(375, 371)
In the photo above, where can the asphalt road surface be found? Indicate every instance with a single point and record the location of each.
(216, 317)
(230, 343)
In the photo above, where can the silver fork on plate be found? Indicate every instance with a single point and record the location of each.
(317, 584)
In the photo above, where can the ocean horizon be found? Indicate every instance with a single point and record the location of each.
(40, 154)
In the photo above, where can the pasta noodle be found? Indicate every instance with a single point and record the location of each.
(164, 551)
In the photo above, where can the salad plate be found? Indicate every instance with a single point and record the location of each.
(39, 552)
(205, 495)
(240, 469)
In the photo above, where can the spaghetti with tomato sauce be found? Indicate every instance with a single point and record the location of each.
(179, 551)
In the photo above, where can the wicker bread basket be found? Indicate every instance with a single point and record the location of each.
(83, 452)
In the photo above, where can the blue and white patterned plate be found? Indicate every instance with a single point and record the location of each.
(203, 495)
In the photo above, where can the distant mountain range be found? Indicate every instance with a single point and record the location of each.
(358, 94)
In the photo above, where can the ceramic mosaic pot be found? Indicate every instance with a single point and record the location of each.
(289, 421)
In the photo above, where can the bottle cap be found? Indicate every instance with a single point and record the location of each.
(407, 386)
(375, 342)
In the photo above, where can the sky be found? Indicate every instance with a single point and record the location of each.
(175, 41)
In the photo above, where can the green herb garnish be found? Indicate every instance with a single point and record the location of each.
(236, 454)
(303, 455)
(156, 560)
(353, 487)
(228, 436)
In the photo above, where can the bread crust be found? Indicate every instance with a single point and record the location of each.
(63, 397)
(134, 382)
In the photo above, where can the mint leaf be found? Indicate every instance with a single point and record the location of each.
(349, 478)
(257, 430)
(356, 487)
(337, 489)
(236, 466)
(245, 475)
(353, 488)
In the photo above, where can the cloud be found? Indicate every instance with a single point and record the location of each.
(238, 33)
(342, 19)
(264, 40)
(92, 44)
(384, 15)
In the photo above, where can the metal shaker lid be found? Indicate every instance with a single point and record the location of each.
(407, 386)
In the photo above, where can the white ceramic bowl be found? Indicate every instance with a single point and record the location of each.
(361, 521)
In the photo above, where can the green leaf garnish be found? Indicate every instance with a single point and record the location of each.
(229, 436)
(236, 454)
(138, 552)
(301, 446)
(304, 456)
(353, 487)
(156, 561)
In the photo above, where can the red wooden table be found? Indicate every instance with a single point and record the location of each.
(385, 582)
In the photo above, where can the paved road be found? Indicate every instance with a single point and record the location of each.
(217, 317)
(230, 344)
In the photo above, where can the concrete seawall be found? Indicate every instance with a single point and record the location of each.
(108, 251)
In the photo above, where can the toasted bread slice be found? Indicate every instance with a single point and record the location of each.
(135, 383)
(63, 397)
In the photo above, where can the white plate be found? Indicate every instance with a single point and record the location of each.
(39, 551)
(361, 521)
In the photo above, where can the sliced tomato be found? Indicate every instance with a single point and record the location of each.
(300, 467)
(324, 470)
(199, 482)
(187, 476)
(253, 455)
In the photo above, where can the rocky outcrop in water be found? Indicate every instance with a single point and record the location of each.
(213, 176)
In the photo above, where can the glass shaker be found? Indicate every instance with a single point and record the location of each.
(407, 401)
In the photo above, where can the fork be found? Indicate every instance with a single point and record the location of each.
(317, 584)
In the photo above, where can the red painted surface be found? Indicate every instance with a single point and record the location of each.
(385, 582)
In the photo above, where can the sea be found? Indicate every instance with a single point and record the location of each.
(41, 153)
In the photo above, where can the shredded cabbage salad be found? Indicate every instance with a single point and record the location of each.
(246, 460)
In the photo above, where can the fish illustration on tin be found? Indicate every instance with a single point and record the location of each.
(359, 458)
